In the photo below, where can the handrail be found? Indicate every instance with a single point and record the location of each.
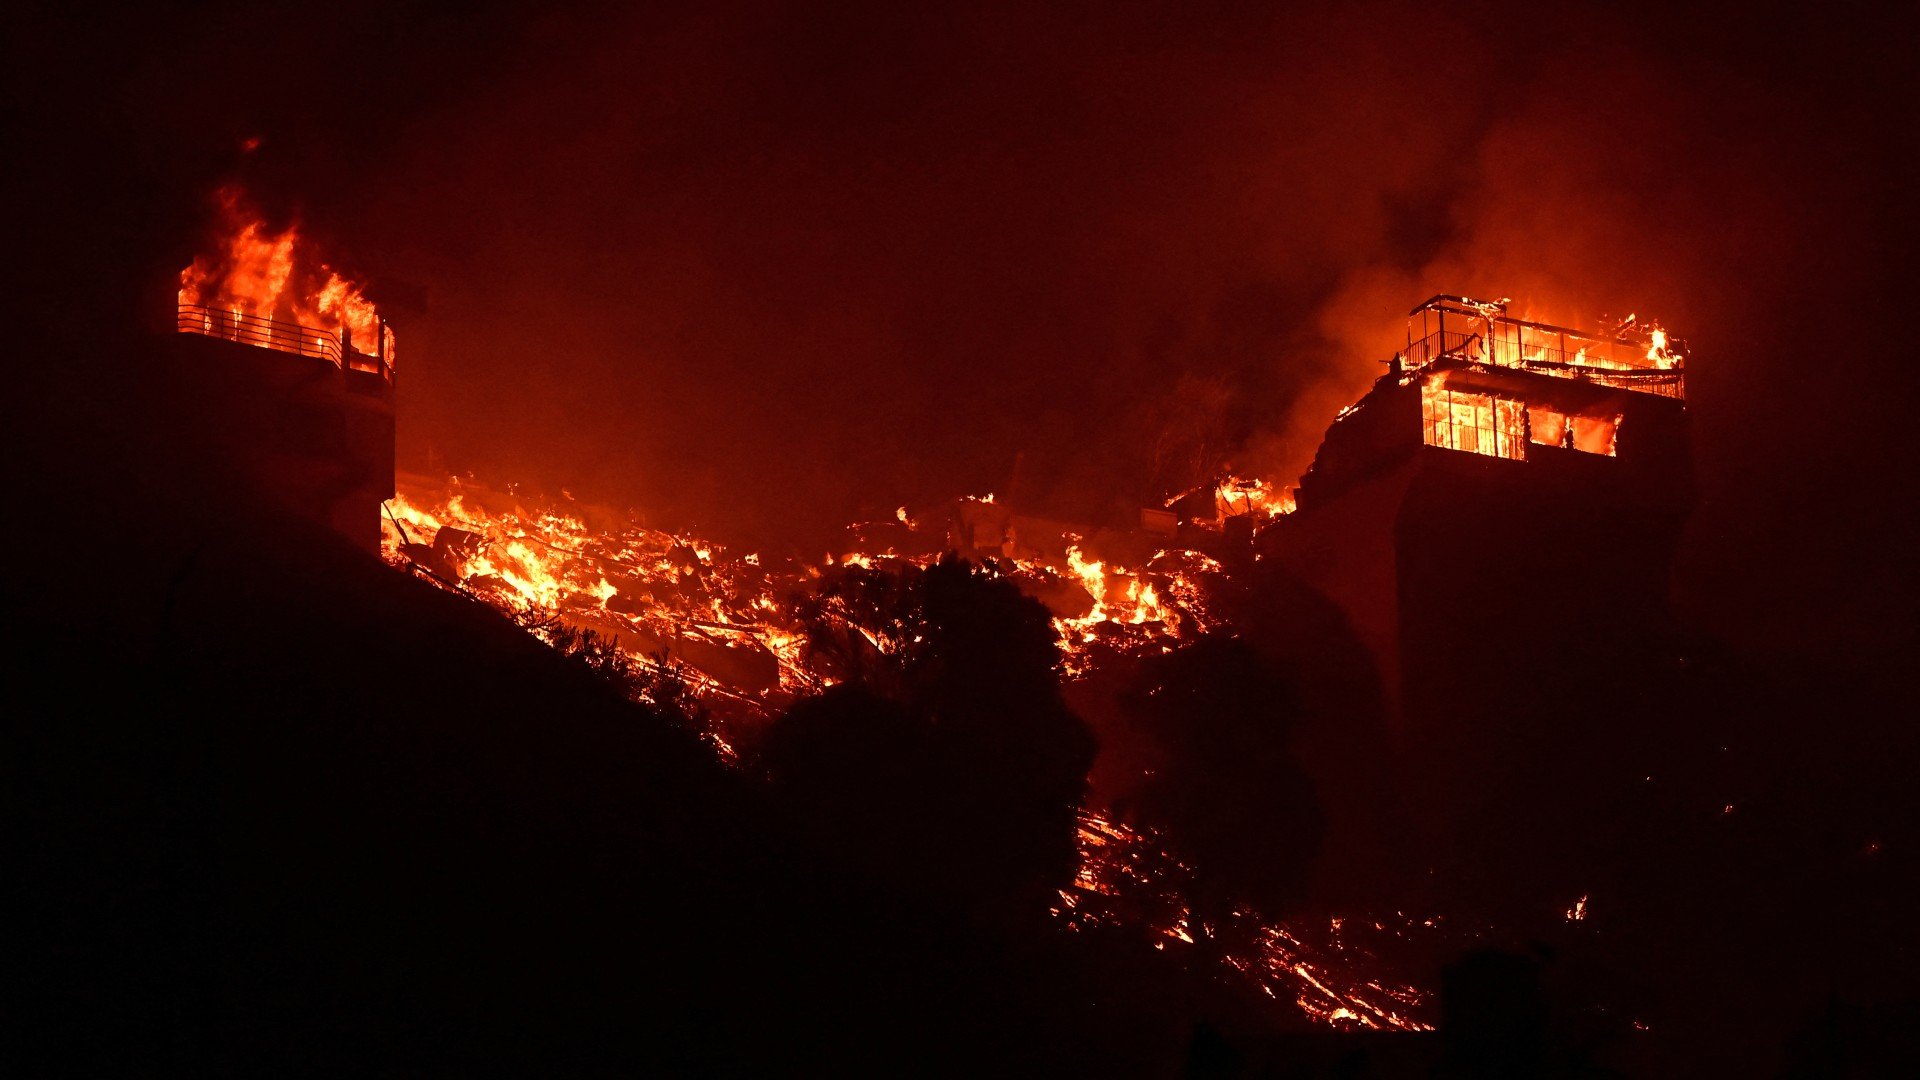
(260, 331)
(1481, 332)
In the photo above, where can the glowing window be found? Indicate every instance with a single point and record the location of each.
(1476, 423)
(1594, 434)
(1588, 434)
(1548, 427)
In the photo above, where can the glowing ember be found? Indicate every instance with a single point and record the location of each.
(1323, 966)
(731, 617)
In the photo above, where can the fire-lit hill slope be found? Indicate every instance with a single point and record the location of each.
(283, 805)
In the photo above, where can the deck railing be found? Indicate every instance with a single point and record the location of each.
(1481, 332)
(279, 335)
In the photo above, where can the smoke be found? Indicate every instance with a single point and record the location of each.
(777, 267)
(760, 268)
(764, 269)
(1578, 202)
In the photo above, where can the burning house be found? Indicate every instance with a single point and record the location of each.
(1494, 522)
(298, 366)
(1444, 509)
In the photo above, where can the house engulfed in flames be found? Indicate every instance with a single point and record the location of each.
(302, 363)
(1499, 510)
(1493, 456)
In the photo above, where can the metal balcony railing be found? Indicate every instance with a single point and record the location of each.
(1481, 332)
(280, 336)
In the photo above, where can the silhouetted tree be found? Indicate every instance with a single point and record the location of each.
(952, 726)
(852, 770)
(1231, 799)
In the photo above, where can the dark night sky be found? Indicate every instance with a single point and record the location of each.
(764, 267)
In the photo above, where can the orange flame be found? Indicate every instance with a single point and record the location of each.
(257, 271)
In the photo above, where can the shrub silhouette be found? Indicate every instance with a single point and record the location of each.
(1232, 801)
(947, 757)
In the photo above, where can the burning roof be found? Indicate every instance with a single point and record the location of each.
(1474, 379)
(262, 286)
(1627, 354)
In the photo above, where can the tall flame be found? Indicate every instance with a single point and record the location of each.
(255, 270)
(248, 273)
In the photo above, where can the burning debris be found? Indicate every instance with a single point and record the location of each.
(732, 616)
(1251, 498)
(737, 624)
(1333, 969)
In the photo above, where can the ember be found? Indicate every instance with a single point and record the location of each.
(730, 615)
(1322, 966)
